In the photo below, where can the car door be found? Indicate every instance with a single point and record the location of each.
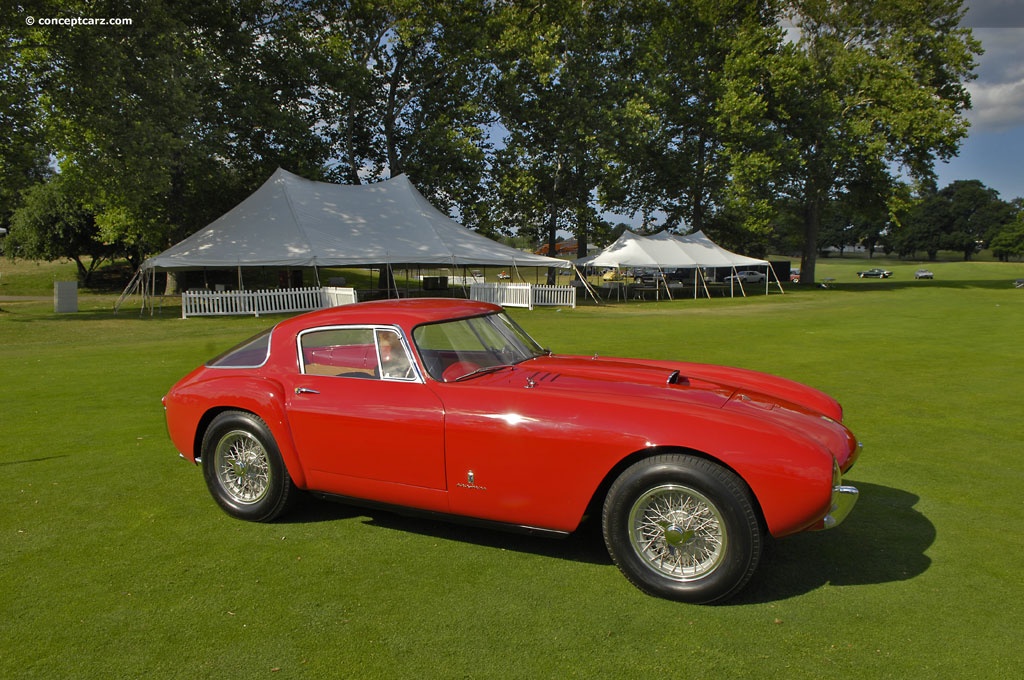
(363, 422)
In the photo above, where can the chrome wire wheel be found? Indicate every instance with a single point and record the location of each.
(678, 533)
(242, 466)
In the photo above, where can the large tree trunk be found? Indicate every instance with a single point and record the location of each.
(809, 254)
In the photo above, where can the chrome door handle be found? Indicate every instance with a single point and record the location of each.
(306, 390)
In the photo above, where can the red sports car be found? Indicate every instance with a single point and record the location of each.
(448, 407)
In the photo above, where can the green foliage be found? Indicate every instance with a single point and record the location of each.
(53, 224)
(1009, 241)
(863, 90)
(535, 117)
(963, 217)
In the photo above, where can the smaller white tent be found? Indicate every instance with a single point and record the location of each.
(707, 253)
(633, 250)
(670, 251)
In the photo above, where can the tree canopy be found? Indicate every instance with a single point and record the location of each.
(745, 119)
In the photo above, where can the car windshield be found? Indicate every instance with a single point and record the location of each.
(454, 350)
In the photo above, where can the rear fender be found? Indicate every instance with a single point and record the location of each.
(263, 397)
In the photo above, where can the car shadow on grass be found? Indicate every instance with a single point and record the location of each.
(585, 545)
(869, 285)
(884, 540)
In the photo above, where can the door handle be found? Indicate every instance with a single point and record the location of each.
(306, 390)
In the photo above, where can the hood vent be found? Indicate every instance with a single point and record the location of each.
(675, 379)
(543, 376)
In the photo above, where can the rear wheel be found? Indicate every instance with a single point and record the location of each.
(243, 468)
(683, 528)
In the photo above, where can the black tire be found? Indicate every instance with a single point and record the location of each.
(243, 468)
(682, 528)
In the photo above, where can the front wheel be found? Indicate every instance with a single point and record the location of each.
(243, 468)
(683, 528)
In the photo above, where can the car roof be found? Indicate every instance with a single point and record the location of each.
(405, 313)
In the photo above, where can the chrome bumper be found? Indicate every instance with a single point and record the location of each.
(843, 500)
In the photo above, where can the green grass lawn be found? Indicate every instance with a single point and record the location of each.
(115, 562)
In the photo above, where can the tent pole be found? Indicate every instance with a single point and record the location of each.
(778, 283)
(586, 284)
(663, 282)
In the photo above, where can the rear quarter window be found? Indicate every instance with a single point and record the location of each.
(249, 354)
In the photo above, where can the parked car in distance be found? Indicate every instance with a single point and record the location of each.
(794, 275)
(924, 274)
(447, 407)
(875, 273)
(748, 277)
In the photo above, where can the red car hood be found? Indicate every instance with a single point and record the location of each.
(710, 384)
(791, 405)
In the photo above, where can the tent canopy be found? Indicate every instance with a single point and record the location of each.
(296, 222)
(706, 252)
(633, 250)
(668, 251)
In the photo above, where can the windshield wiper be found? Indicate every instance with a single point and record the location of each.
(482, 370)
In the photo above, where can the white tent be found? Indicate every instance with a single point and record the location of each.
(669, 251)
(296, 222)
(709, 254)
(706, 252)
(633, 250)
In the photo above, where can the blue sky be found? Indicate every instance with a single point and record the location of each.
(994, 149)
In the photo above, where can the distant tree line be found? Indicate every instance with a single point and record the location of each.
(770, 124)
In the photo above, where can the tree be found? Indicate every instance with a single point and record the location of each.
(404, 84)
(669, 79)
(52, 224)
(550, 98)
(1009, 241)
(921, 226)
(974, 212)
(24, 160)
(161, 125)
(860, 86)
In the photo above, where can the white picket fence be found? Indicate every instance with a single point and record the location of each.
(525, 295)
(256, 302)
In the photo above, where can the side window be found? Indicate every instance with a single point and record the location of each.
(394, 360)
(345, 352)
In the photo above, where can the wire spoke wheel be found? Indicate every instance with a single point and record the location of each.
(682, 527)
(678, 532)
(242, 466)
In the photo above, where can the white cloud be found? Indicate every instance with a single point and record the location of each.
(997, 96)
(997, 106)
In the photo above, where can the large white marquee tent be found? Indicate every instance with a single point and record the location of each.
(295, 222)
